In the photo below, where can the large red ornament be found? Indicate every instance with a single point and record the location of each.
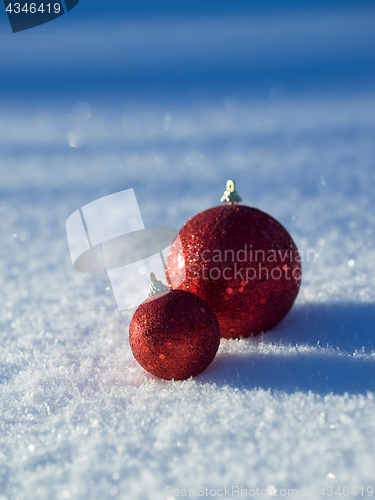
(242, 262)
(174, 335)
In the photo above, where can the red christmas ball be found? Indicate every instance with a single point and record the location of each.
(242, 262)
(174, 335)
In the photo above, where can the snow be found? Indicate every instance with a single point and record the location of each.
(292, 409)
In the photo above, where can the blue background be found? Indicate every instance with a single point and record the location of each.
(303, 46)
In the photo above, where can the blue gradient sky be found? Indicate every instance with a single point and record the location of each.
(162, 50)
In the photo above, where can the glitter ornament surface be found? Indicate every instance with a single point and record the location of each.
(242, 262)
(174, 335)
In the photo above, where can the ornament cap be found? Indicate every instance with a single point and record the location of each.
(156, 286)
(230, 194)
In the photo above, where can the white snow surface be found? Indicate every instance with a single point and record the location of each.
(292, 409)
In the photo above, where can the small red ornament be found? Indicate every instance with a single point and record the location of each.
(241, 261)
(173, 334)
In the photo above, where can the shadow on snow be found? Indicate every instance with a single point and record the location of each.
(322, 348)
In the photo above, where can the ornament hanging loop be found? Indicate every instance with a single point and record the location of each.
(230, 194)
(156, 286)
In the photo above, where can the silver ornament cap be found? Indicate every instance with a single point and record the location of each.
(156, 286)
(230, 194)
